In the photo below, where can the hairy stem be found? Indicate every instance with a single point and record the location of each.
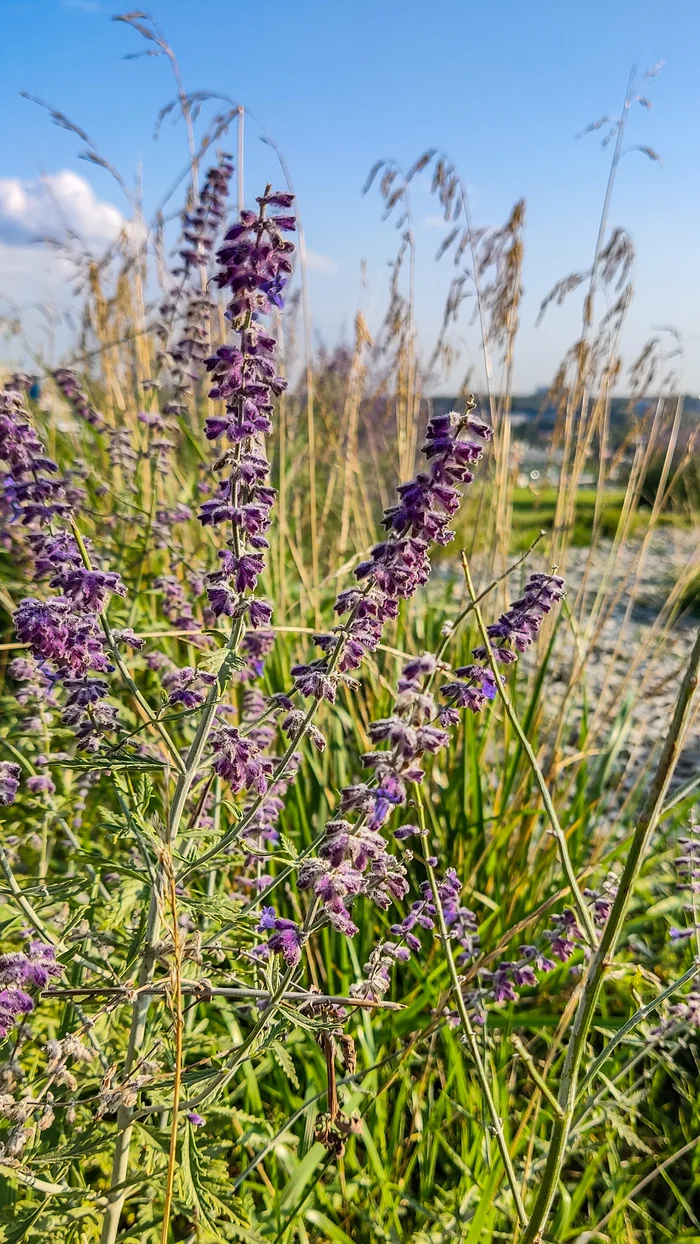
(178, 1024)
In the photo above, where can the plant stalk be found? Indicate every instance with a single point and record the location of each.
(469, 1034)
(602, 957)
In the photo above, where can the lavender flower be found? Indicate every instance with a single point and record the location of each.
(475, 684)
(285, 936)
(69, 386)
(564, 936)
(176, 606)
(253, 263)
(57, 633)
(687, 868)
(31, 488)
(401, 564)
(200, 226)
(521, 624)
(188, 686)
(37, 966)
(63, 632)
(239, 760)
(40, 784)
(10, 774)
(409, 734)
(602, 899)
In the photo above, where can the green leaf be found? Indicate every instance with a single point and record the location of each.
(286, 1062)
(19, 1228)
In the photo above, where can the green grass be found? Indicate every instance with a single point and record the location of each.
(424, 1167)
(534, 509)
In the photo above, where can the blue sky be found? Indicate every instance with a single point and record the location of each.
(503, 86)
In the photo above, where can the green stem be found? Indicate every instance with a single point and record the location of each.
(470, 1035)
(125, 1114)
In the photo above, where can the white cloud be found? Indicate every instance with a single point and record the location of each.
(320, 263)
(36, 285)
(53, 206)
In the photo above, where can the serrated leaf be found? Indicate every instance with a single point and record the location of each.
(212, 663)
(203, 1198)
(289, 847)
(626, 1132)
(286, 1062)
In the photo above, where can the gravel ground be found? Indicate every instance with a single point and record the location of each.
(628, 633)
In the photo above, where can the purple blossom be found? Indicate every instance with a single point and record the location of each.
(10, 775)
(63, 632)
(475, 684)
(564, 936)
(31, 488)
(189, 305)
(286, 937)
(176, 606)
(239, 760)
(40, 784)
(188, 686)
(35, 966)
(89, 589)
(68, 383)
(54, 632)
(520, 625)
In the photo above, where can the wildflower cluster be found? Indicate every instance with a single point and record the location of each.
(33, 492)
(255, 262)
(514, 631)
(200, 226)
(354, 859)
(20, 970)
(400, 564)
(495, 986)
(63, 631)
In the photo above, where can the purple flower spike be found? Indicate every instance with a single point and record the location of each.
(63, 632)
(254, 264)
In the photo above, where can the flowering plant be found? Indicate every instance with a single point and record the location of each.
(179, 904)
